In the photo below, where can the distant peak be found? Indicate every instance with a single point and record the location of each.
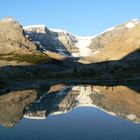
(9, 19)
(34, 26)
(132, 23)
(135, 19)
(58, 30)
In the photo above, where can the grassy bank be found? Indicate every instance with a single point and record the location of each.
(34, 58)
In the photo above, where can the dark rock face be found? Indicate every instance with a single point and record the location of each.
(65, 40)
(56, 41)
(41, 36)
(48, 40)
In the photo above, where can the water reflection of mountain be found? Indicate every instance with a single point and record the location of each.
(12, 106)
(118, 100)
(39, 103)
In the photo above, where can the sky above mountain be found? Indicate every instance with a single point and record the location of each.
(81, 17)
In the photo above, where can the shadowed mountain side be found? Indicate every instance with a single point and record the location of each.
(48, 43)
(48, 85)
(126, 68)
(69, 71)
(50, 40)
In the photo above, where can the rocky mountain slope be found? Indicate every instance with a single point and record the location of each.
(16, 48)
(12, 38)
(112, 44)
(117, 43)
(67, 44)
(59, 41)
(52, 40)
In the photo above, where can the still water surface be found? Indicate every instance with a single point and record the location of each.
(71, 113)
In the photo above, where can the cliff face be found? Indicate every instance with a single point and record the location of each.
(59, 41)
(64, 39)
(52, 40)
(40, 35)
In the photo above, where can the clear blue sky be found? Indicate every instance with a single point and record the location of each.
(81, 17)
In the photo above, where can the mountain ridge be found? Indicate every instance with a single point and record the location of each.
(80, 46)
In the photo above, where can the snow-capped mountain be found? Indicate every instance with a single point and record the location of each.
(108, 35)
(68, 44)
(42, 36)
(65, 44)
(116, 43)
(49, 39)
(60, 41)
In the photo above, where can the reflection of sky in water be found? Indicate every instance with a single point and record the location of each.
(72, 112)
(81, 123)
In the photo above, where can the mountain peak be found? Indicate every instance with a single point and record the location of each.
(57, 30)
(132, 23)
(135, 20)
(9, 19)
(34, 26)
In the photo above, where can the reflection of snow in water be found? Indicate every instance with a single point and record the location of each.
(81, 98)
